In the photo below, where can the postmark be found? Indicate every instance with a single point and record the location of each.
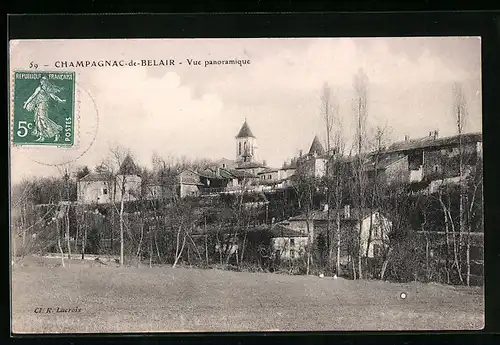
(44, 108)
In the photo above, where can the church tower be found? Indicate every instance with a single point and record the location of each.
(246, 145)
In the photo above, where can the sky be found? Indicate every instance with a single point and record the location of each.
(196, 111)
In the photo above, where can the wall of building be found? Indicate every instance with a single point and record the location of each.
(319, 167)
(188, 190)
(290, 247)
(89, 192)
(301, 226)
(398, 171)
(285, 173)
(132, 187)
(269, 176)
(444, 162)
(381, 227)
(251, 144)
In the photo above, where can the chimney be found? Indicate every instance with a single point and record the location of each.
(430, 134)
(264, 162)
(436, 133)
(407, 137)
(300, 153)
(347, 211)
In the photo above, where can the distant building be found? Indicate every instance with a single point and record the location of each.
(96, 188)
(189, 183)
(246, 145)
(104, 187)
(435, 159)
(288, 243)
(315, 161)
(350, 221)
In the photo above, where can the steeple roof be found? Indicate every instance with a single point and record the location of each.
(245, 131)
(316, 147)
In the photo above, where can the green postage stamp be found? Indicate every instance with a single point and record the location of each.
(44, 108)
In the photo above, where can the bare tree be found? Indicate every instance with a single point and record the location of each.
(460, 113)
(118, 155)
(305, 187)
(360, 105)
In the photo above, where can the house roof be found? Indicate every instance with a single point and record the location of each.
(279, 230)
(355, 214)
(211, 174)
(268, 170)
(383, 162)
(250, 165)
(430, 141)
(94, 176)
(245, 131)
(241, 173)
(316, 147)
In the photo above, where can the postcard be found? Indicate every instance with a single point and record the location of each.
(227, 185)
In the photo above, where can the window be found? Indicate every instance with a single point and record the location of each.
(223, 165)
(436, 168)
(239, 148)
(105, 191)
(292, 242)
(270, 176)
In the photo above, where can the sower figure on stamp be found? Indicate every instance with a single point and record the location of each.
(38, 103)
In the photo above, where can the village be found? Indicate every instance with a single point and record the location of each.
(322, 184)
(235, 211)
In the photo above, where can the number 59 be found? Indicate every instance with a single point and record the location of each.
(22, 128)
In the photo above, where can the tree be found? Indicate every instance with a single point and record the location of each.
(121, 160)
(81, 172)
(335, 170)
(305, 187)
(360, 115)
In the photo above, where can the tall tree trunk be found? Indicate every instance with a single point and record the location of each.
(339, 236)
(121, 231)
(309, 244)
(360, 255)
(243, 246)
(206, 248)
(138, 253)
(68, 243)
(353, 267)
(150, 250)
(386, 262)
(157, 249)
(446, 229)
(84, 240)
(59, 242)
(456, 262)
(468, 259)
(23, 224)
(179, 251)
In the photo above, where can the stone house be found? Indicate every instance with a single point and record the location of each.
(288, 243)
(314, 163)
(351, 219)
(432, 158)
(104, 187)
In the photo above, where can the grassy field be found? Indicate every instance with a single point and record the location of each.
(163, 299)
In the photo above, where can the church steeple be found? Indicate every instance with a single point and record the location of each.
(245, 131)
(246, 144)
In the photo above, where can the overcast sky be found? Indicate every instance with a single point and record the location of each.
(197, 111)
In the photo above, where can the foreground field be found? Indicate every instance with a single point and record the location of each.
(162, 299)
